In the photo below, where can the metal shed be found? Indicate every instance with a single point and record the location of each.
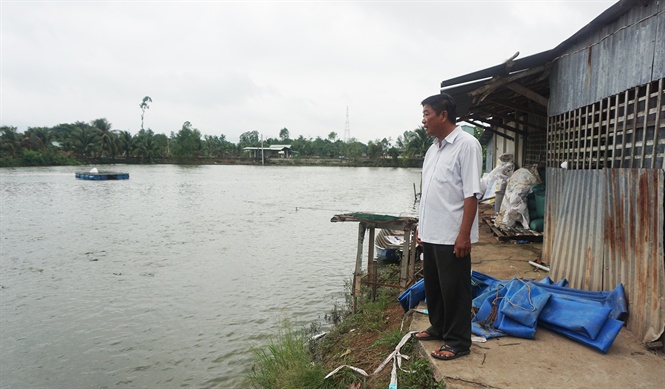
(595, 103)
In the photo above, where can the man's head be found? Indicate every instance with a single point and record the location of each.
(442, 102)
(439, 115)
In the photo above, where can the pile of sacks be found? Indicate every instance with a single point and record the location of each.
(497, 179)
(519, 194)
(514, 207)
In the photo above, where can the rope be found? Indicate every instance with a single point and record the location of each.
(396, 357)
(296, 207)
(491, 318)
(409, 313)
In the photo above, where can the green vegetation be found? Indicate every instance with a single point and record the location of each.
(97, 142)
(285, 363)
(362, 339)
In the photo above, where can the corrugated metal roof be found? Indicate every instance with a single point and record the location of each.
(505, 102)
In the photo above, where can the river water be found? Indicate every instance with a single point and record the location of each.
(170, 278)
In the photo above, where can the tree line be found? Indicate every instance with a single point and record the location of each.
(97, 141)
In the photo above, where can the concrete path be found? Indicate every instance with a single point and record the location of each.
(548, 361)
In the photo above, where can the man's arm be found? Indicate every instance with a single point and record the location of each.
(463, 241)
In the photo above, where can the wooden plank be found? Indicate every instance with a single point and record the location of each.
(659, 106)
(505, 234)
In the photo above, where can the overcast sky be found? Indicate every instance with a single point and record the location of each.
(230, 67)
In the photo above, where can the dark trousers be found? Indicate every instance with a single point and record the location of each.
(448, 293)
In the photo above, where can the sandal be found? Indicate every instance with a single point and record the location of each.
(428, 336)
(455, 353)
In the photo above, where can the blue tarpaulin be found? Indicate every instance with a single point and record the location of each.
(516, 307)
(412, 296)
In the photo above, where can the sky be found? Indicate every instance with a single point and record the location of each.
(229, 67)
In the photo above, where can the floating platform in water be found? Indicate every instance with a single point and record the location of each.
(101, 176)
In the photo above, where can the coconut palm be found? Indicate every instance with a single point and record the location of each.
(38, 138)
(144, 105)
(107, 137)
(85, 141)
(147, 146)
(417, 142)
(125, 143)
(10, 140)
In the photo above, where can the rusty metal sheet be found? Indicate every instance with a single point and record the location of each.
(577, 251)
(555, 179)
(606, 227)
(633, 241)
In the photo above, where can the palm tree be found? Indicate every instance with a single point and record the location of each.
(10, 139)
(417, 142)
(85, 141)
(38, 138)
(125, 143)
(147, 147)
(106, 136)
(144, 105)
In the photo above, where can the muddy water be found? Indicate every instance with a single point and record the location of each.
(168, 279)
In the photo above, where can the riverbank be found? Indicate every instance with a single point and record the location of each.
(550, 360)
(294, 161)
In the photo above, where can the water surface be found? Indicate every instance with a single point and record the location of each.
(169, 279)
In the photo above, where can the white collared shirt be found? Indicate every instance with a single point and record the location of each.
(451, 173)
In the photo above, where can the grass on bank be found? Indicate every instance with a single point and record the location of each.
(363, 340)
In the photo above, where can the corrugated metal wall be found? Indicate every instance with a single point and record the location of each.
(606, 227)
(614, 58)
(634, 252)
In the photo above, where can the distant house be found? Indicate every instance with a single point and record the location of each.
(591, 113)
(272, 151)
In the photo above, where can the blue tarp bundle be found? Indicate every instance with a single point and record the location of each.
(516, 307)
(412, 296)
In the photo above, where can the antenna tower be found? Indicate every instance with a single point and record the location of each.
(347, 131)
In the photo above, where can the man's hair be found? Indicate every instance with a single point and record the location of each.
(442, 102)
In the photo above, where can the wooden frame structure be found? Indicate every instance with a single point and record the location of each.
(371, 222)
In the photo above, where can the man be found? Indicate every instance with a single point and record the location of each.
(448, 225)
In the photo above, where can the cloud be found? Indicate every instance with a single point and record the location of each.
(231, 67)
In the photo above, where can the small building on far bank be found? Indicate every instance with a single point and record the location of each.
(272, 151)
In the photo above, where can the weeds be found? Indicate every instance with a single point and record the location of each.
(362, 339)
(285, 363)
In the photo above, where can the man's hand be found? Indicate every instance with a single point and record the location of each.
(463, 242)
(462, 246)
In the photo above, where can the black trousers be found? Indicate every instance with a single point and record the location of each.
(448, 293)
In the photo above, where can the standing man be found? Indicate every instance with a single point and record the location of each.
(448, 225)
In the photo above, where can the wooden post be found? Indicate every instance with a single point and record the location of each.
(372, 271)
(358, 273)
(406, 259)
(412, 257)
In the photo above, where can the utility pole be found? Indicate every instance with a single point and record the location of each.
(347, 130)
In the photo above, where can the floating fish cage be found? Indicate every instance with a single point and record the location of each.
(101, 176)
